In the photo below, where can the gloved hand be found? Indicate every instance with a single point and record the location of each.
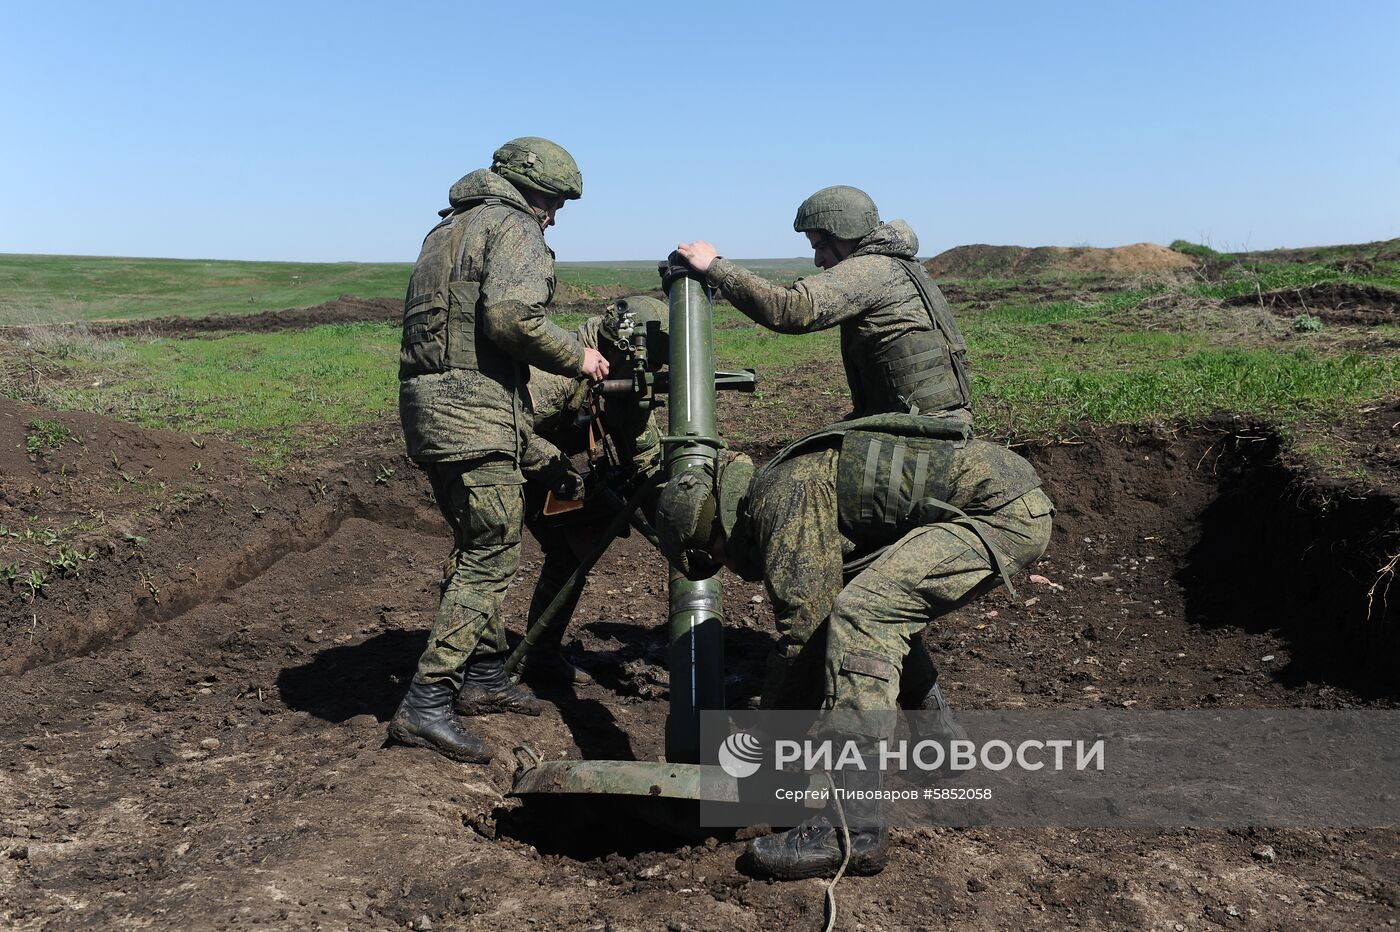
(571, 486)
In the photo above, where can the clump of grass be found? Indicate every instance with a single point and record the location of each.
(65, 341)
(1198, 251)
(46, 435)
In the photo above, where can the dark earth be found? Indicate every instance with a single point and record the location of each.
(193, 719)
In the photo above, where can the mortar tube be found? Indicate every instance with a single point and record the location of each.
(697, 606)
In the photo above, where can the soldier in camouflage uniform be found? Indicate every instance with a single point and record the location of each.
(900, 345)
(921, 518)
(559, 406)
(473, 320)
(901, 348)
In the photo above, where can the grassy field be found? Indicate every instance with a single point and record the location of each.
(60, 289)
(1164, 351)
(55, 289)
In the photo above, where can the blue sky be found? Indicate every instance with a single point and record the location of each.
(332, 131)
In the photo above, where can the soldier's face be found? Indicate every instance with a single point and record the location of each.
(546, 205)
(826, 250)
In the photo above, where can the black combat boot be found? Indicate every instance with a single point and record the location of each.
(549, 665)
(816, 847)
(487, 689)
(425, 720)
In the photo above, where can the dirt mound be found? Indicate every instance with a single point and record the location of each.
(346, 309)
(1041, 261)
(211, 746)
(1334, 302)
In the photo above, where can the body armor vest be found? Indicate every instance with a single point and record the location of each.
(895, 473)
(923, 372)
(441, 311)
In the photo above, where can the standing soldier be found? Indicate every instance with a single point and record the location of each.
(925, 519)
(473, 319)
(901, 348)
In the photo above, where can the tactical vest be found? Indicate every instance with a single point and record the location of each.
(895, 473)
(924, 372)
(441, 311)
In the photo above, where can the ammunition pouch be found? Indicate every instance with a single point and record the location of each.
(442, 310)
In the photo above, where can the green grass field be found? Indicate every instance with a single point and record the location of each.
(56, 289)
(1168, 351)
(60, 289)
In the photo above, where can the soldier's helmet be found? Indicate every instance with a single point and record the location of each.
(839, 211)
(690, 506)
(540, 165)
(643, 309)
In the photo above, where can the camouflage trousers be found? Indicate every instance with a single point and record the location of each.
(795, 524)
(930, 571)
(483, 503)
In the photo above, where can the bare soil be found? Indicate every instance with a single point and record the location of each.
(1333, 302)
(347, 309)
(194, 724)
(343, 310)
(981, 261)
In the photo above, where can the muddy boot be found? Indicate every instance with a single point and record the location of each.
(816, 847)
(551, 666)
(425, 720)
(487, 689)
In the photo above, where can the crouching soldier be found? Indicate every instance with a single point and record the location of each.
(564, 427)
(922, 519)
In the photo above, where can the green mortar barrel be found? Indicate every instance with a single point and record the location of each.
(697, 606)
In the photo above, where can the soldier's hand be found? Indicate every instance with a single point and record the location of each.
(571, 487)
(698, 254)
(594, 365)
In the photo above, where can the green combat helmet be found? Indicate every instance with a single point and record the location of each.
(644, 310)
(540, 165)
(689, 507)
(839, 211)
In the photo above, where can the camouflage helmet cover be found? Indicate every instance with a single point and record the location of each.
(685, 521)
(690, 506)
(840, 211)
(644, 309)
(538, 164)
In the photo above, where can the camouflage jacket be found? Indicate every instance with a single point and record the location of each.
(473, 405)
(897, 359)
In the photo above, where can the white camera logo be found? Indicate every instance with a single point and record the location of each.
(740, 755)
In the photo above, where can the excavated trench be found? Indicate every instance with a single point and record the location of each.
(1254, 545)
(1279, 551)
(188, 754)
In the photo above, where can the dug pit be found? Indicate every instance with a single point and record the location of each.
(225, 763)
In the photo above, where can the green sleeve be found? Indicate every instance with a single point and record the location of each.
(543, 462)
(809, 304)
(516, 285)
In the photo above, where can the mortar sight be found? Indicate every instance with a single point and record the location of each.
(641, 353)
